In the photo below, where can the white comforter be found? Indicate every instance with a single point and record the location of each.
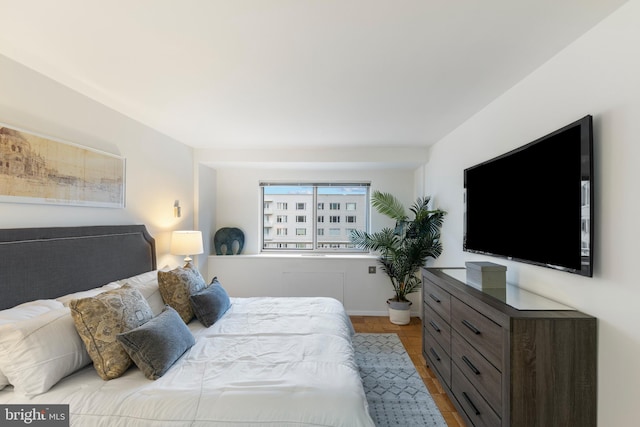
(267, 362)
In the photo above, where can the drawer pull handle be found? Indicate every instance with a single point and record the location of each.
(470, 365)
(435, 298)
(470, 326)
(434, 325)
(473, 407)
(434, 354)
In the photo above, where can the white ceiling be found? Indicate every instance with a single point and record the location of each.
(294, 73)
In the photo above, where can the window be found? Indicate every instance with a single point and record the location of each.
(585, 193)
(306, 232)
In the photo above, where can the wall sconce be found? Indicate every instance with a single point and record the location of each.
(177, 209)
(186, 243)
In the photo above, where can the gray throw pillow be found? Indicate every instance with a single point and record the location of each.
(155, 346)
(210, 304)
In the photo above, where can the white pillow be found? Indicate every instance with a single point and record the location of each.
(142, 278)
(147, 284)
(25, 311)
(66, 299)
(37, 353)
(28, 310)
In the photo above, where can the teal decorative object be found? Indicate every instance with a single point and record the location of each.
(225, 238)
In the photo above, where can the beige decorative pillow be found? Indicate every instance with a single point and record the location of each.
(177, 285)
(99, 319)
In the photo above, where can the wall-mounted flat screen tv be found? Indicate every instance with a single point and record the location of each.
(535, 204)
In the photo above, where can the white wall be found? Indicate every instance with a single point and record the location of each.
(598, 75)
(345, 278)
(238, 204)
(159, 169)
(205, 212)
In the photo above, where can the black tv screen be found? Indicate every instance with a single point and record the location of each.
(534, 204)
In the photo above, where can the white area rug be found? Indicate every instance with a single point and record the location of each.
(395, 392)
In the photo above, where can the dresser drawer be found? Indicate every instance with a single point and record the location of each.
(437, 358)
(438, 328)
(483, 333)
(438, 299)
(480, 373)
(474, 406)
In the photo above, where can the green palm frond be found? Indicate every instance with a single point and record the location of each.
(383, 240)
(388, 205)
(405, 249)
(420, 206)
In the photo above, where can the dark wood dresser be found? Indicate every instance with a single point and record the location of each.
(509, 357)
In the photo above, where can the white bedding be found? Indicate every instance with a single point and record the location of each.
(267, 362)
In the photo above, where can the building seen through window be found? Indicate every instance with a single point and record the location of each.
(323, 216)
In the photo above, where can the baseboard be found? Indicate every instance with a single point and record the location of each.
(414, 313)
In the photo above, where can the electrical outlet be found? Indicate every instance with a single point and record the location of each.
(372, 269)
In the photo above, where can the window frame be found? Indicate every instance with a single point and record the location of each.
(318, 210)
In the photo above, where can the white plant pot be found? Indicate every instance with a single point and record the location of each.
(399, 312)
(399, 317)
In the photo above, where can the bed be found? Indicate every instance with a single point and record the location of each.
(265, 362)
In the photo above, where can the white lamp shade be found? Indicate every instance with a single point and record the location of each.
(186, 242)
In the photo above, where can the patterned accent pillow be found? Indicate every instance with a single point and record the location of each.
(100, 319)
(177, 285)
(198, 274)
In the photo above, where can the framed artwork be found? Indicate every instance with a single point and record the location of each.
(38, 169)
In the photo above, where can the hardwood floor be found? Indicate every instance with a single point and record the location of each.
(411, 337)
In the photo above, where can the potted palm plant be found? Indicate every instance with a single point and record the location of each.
(404, 249)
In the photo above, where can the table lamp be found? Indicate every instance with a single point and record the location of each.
(187, 243)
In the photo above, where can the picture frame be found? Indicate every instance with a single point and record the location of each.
(39, 169)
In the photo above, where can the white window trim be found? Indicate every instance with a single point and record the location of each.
(314, 215)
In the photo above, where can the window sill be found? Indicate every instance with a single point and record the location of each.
(302, 256)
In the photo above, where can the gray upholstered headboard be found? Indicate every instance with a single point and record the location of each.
(41, 263)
